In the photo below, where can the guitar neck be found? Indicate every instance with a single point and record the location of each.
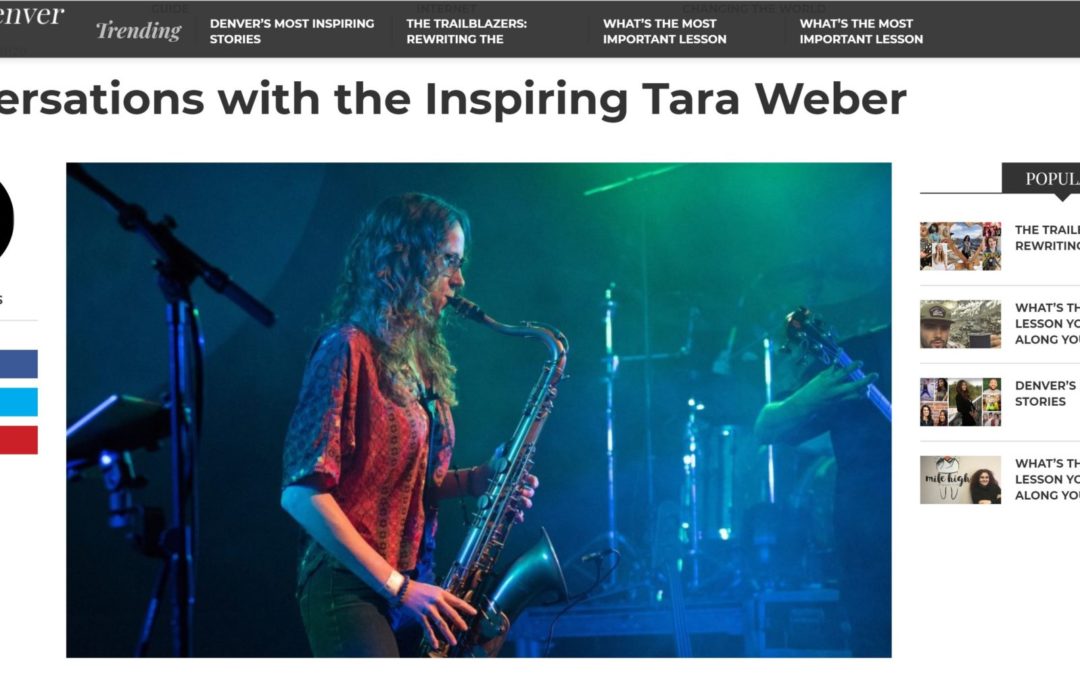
(880, 401)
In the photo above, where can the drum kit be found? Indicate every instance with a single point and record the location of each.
(724, 507)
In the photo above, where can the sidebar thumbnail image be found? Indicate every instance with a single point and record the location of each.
(960, 480)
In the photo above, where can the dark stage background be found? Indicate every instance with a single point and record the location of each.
(743, 244)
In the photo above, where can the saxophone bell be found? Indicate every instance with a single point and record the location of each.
(535, 572)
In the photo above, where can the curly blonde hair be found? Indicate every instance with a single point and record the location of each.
(384, 291)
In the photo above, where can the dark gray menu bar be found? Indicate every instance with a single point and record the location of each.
(540, 29)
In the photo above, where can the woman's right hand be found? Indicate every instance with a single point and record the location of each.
(438, 611)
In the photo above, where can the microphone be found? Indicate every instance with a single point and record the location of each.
(596, 555)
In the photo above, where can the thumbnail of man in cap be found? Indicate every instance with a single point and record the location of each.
(935, 322)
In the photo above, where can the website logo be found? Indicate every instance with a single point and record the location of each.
(7, 219)
(31, 16)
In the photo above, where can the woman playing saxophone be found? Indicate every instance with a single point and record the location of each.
(367, 453)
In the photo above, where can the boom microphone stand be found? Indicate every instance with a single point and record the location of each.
(178, 267)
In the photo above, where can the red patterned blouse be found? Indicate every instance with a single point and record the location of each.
(370, 453)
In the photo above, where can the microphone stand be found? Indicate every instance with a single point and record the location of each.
(612, 363)
(178, 267)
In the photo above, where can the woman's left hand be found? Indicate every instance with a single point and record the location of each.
(527, 491)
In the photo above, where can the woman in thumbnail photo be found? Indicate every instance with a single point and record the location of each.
(942, 391)
(985, 488)
(965, 406)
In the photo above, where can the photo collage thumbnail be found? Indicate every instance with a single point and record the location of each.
(953, 246)
(966, 402)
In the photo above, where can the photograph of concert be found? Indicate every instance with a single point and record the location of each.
(455, 410)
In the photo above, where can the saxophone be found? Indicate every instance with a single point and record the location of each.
(471, 577)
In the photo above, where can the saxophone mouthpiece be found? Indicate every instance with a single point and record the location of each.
(467, 308)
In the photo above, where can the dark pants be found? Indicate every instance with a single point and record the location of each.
(343, 617)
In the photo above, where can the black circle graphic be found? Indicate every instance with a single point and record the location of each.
(7, 219)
